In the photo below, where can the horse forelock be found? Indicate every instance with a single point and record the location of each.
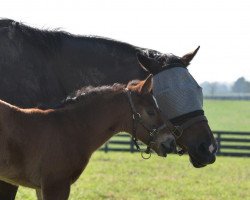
(165, 59)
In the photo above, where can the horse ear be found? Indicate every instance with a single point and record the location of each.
(147, 85)
(186, 59)
(147, 63)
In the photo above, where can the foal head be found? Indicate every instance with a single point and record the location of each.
(147, 123)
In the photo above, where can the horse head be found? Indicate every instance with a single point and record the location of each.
(180, 99)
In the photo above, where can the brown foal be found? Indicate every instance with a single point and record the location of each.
(48, 150)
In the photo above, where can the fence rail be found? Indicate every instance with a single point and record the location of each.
(233, 143)
(227, 97)
(229, 143)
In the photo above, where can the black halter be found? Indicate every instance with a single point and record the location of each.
(137, 119)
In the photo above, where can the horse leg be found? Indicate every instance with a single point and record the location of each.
(39, 194)
(7, 191)
(56, 191)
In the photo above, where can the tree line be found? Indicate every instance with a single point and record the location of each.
(240, 86)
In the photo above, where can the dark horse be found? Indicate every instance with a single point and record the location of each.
(42, 67)
(48, 149)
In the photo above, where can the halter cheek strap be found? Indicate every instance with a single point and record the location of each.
(137, 119)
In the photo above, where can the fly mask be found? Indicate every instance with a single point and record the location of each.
(177, 93)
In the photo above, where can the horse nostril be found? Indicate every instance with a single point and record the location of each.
(168, 145)
(215, 149)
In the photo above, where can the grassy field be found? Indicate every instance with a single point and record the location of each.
(126, 176)
(228, 115)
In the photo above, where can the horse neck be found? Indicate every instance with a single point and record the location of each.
(99, 120)
(80, 51)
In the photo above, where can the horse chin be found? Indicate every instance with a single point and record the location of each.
(196, 163)
(165, 148)
(162, 154)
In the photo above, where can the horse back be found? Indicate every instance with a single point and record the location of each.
(43, 67)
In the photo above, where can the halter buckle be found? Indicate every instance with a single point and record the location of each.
(180, 151)
(137, 117)
(152, 133)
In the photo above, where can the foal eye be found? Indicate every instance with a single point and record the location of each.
(151, 112)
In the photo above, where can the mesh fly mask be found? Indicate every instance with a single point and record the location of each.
(176, 92)
(178, 95)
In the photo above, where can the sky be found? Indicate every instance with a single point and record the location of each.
(220, 27)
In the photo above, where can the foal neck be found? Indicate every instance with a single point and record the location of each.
(100, 116)
(99, 103)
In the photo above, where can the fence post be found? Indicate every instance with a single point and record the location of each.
(106, 147)
(131, 146)
(219, 142)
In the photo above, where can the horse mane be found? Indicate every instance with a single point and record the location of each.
(50, 41)
(88, 93)
(47, 39)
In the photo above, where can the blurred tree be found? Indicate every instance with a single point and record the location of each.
(215, 88)
(241, 86)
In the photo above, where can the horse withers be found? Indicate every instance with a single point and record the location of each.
(48, 150)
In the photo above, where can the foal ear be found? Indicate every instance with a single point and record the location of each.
(147, 63)
(186, 59)
(147, 85)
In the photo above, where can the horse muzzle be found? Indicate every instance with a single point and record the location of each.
(197, 163)
(166, 147)
(203, 155)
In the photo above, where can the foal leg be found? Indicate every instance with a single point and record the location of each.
(7, 191)
(56, 191)
(39, 194)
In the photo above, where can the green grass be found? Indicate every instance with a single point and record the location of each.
(228, 115)
(127, 176)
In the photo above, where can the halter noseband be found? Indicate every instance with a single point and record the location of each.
(137, 119)
(178, 130)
